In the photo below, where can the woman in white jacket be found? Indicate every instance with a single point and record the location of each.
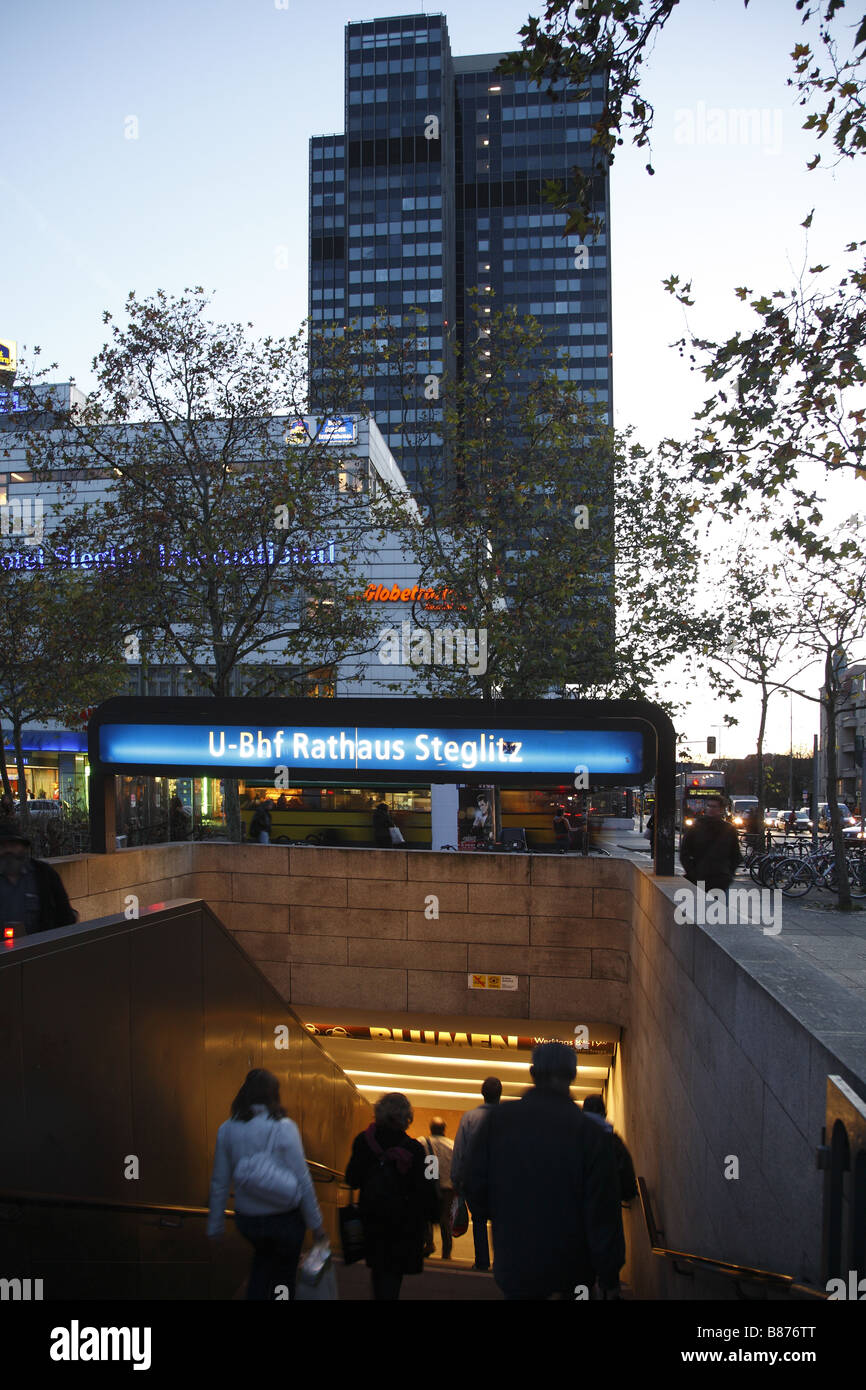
(275, 1232)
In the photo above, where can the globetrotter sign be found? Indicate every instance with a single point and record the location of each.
(542, 743)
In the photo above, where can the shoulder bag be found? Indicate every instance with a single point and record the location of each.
(262, 1177)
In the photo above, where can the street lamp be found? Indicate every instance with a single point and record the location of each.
(790, 698)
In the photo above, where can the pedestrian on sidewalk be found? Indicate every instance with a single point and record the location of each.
(32, 896)
(710, 849)
(440, 1148)
(547, 1174)
(273, 1210)
(260, 825)
(467, 1131)
(397, 1199)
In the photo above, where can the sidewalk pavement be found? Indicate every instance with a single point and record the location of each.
(812, 927)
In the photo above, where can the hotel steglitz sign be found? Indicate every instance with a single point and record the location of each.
(453, 1037)
(518, 743)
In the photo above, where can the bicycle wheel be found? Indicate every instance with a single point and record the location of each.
(756, 864)
(857, 876)
(794, 876)
(767, 869)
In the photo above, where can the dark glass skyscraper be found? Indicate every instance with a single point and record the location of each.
(436, 189)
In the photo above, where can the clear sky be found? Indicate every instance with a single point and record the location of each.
(164, 145)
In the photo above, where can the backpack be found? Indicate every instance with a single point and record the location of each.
(386, 1191)
(624, 1170)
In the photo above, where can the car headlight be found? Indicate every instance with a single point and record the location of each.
(738, 820)
(688, 821)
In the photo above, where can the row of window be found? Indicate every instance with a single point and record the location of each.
(382, 67)
(544, 110)
(380, 38)
(373, 96)
(320, 199)
(471, 84)
(397, 227)
(328, 175)
(401, 272)
(397, 248)
(370, 301)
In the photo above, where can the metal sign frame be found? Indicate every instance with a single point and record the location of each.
(500, 718)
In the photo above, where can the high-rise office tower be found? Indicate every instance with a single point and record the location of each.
(436, 189)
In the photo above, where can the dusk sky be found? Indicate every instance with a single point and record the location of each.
(220, 100)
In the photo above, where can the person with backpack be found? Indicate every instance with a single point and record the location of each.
(594, 1106)
(398, 1195)
(259, 1150)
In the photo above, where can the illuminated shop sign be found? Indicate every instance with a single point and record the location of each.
(316, 748)
(11, 400)
(338, 429)
(434, 600)
(68, 557)
(449, 1038)
(8, 355)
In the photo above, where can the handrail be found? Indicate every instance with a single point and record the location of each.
(726, 1268)
(55, 1199)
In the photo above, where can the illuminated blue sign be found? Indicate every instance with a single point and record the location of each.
(10, 400)
(327, 748)
(68, 557)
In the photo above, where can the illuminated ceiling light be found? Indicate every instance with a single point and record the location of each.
(494, 89)
(485, 142)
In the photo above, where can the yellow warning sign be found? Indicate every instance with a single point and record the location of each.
(492, 981)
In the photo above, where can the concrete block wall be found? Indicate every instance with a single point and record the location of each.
(357, 927)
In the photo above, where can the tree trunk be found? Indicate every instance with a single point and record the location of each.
(4, 770)
(232, 806)
(22, 779)
(843, 883)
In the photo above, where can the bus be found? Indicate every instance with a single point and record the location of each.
(694, 788)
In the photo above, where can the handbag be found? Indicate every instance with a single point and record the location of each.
(396, 835)
(351, 1233)
(459, 1216)
(325, 1291)
(261, 1177)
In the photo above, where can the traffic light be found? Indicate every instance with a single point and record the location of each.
(711, 744)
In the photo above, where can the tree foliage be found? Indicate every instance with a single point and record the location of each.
(233, 524)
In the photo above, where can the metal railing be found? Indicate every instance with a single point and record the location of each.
(320, 1172)
(739, 1273)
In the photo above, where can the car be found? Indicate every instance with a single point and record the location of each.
(42, 806)
(740, 808)
(824, 816)
(804, 823)
(853, 832)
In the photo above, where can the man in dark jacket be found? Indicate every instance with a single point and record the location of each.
(710, 849)
(32, 896)
(547, 1175)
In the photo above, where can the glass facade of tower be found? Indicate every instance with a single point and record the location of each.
(512, 138)
(436, 189)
